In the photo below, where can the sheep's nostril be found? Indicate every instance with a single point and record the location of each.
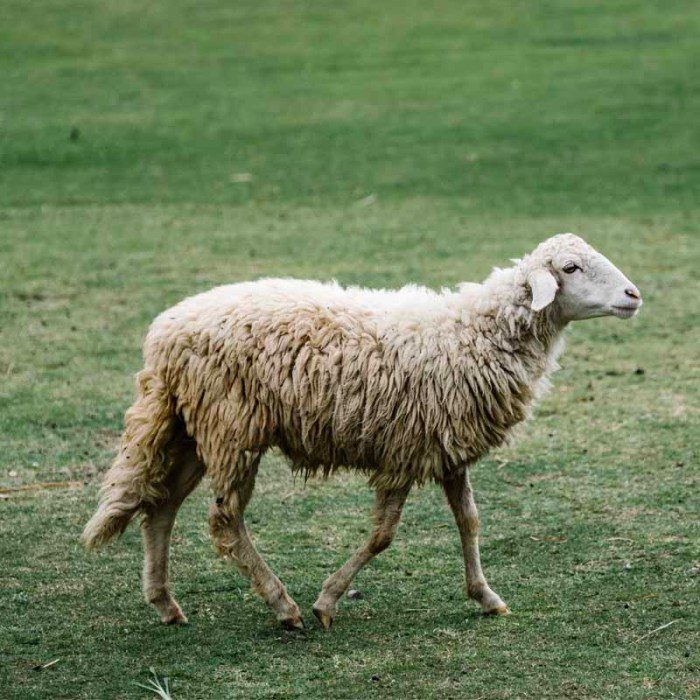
(633, 293)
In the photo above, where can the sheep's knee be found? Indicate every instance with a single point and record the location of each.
(223, 528)
(380, 542)
(472, 521)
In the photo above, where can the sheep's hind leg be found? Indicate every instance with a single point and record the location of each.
(232, 541)
(186, 473)
(387, 513)
(461, 499)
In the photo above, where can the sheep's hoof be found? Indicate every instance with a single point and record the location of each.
(500, 610)
(324, 617)
(292, 623)
(176, 618)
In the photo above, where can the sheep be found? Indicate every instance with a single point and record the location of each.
(406, 386)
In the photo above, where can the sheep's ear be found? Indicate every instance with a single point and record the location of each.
(544, 286)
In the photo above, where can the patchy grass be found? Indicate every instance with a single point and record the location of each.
(149, 153)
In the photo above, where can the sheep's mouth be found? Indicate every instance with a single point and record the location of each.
(625, 311)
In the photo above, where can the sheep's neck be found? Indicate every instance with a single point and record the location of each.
(519, 339)
(537, 333)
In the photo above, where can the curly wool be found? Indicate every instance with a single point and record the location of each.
(405, 385)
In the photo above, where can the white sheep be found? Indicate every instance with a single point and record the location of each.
(406, 386)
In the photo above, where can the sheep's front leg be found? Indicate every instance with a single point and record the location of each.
(232, 541)
(387, 513)
(461, 499)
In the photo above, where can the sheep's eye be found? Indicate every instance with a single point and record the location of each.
(571, 267)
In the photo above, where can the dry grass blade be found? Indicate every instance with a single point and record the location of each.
(160, 689)
(40, 486)
(654, 631)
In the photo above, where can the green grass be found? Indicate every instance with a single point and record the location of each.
(377, 143)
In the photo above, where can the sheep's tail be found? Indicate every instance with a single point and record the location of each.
(137, 474)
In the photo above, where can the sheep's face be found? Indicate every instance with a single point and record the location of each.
(581, 282)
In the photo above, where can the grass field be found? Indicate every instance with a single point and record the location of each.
(150, 151)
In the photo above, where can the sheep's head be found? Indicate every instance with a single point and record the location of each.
(566, 271)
